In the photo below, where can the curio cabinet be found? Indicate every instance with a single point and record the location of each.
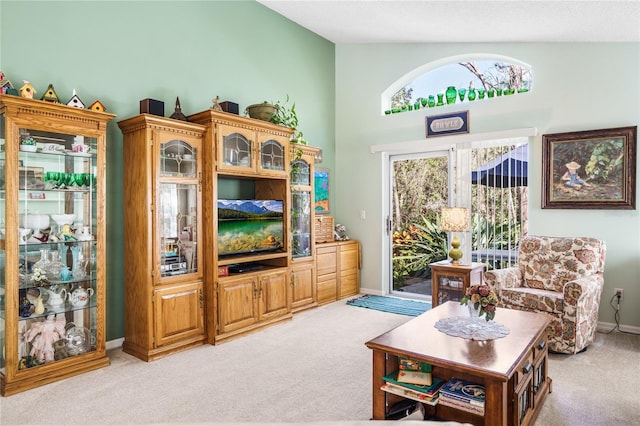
(52, 242)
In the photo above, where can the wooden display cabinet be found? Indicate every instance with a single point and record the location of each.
(338, 270)
(249, 155)
(164, 297)
(450, 281)
(52, 163)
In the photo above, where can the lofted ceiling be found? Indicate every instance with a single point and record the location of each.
(464, 21)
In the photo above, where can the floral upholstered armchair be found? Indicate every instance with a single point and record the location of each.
(562, 277)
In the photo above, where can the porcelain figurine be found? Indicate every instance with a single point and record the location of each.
(66, 274)
(85, 235)
(26, 308)
(39, 309)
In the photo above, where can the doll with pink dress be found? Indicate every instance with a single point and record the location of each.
(43, 334)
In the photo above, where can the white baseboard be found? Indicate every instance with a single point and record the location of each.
(115, 344)
(605, 327)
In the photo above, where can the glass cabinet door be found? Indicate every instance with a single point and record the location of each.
(272, 155)
(236, 150)
(301, 223)
(300, 173)
(57, 224)
(178, 206)
(301, 208)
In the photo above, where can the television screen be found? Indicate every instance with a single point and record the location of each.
(248, 226)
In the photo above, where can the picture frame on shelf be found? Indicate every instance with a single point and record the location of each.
(592, 169)
(321, 190)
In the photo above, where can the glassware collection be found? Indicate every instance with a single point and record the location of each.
(453, 95)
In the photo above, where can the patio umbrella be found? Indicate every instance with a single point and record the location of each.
(508, 170)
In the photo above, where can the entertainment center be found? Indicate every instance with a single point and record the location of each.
(223, 205)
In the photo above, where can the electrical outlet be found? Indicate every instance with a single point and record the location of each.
(619, 291)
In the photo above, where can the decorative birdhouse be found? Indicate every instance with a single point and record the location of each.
(50, 95)
(5, 85)
(75, 101)
(97, 106)
(27, 90)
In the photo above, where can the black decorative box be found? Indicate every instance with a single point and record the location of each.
(151, 106)
(231, 107)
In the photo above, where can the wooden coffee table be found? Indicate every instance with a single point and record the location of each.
(513, 369)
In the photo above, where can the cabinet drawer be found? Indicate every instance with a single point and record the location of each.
(349, 259)
(327, 289)
(524, 370)
(540, 347)
(349, 284)
(326, 260)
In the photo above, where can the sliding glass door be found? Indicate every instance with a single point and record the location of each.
(419, 188)
(488, 177)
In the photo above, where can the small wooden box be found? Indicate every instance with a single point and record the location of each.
(324, 229)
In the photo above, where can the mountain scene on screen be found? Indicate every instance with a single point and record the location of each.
(249, 209)
(247, 226)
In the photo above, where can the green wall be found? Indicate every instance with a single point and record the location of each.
(577, 86)
(121, 52)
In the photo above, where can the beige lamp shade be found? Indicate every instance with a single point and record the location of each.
(455, 219)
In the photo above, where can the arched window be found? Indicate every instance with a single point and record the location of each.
(455, 80)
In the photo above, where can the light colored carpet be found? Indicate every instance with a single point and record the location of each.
(314, 368)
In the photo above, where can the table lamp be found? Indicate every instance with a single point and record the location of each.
(455, 219)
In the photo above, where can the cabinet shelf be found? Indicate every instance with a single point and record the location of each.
(67, 308)
(231, 259)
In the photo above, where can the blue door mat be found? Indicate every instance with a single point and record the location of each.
(393, 305)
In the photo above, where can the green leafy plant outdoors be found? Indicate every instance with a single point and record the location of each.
(415, 247)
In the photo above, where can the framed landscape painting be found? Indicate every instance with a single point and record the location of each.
(321, 191)
(594, 169)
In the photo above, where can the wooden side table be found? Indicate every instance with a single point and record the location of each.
(450, 281)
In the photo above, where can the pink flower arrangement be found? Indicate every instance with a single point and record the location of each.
(482, 297)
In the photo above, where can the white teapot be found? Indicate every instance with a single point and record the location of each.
(56, 296)
(80, 296)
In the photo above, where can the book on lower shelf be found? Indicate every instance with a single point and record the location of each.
(464, 395)
(405, 363)
(410, 393)
(443, 400)
(428, 390)
(414, 377)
